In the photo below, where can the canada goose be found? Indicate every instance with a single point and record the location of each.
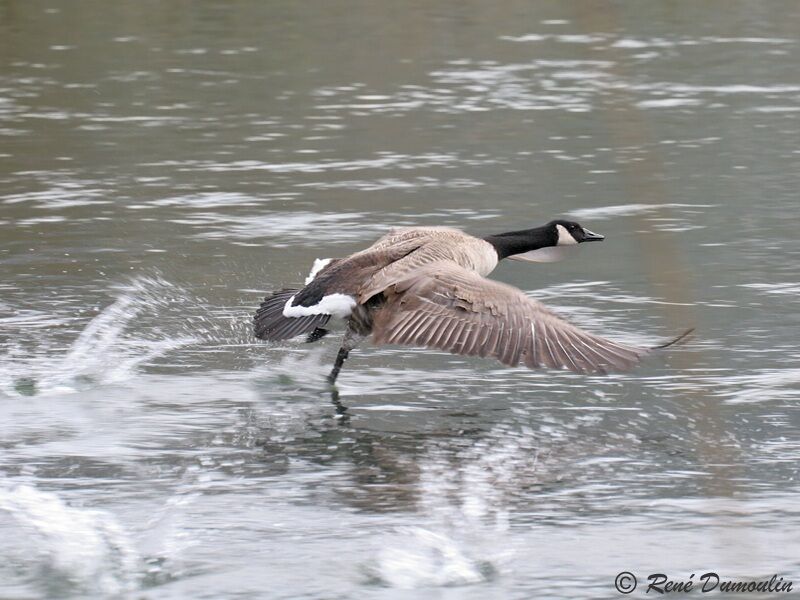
(426, 286)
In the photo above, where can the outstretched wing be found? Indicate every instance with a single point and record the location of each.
(446, 307)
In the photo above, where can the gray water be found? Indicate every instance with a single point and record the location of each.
(164, 164)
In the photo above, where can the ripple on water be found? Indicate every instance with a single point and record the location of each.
(375, 185)
(59, 196)
(382, 160)
(673, 217)
(284, 228)
(473, 85)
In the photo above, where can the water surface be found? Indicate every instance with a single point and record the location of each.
(164, 165)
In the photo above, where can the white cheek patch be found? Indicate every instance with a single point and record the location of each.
(544, 255)
(337, 305)
(319, 264)
(565, 237)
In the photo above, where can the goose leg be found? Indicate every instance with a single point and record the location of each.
(350, 341)
(344, 352)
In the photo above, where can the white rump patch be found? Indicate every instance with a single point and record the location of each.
(337, 305)
(565, 237)
(545, 255)
(319, 264)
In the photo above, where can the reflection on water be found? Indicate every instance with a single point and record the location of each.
(162, 168)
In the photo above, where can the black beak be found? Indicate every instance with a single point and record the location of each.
(588, 236)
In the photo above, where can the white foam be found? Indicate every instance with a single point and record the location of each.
(319, 264)
(338, 305)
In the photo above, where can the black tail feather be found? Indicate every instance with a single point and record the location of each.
(270, 324)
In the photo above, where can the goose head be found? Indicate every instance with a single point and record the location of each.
(542, 244)
(569, 233)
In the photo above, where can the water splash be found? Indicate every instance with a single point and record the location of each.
(426, 558)
(104, 351)
(81, 550)
(465, 499)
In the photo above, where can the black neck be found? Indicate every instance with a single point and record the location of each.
(517, 242)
